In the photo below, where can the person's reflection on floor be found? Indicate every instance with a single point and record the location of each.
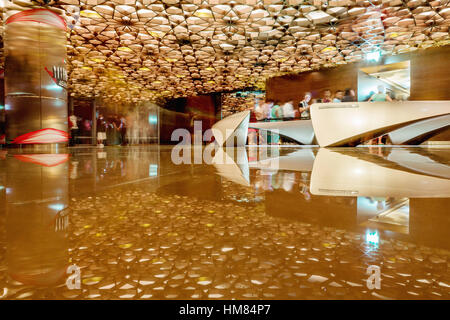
(304, 185)
(277, 180)
(258, 181)
(267, 179)
(379, 151)
(88, 167)
(73, 170)
(123, 170)
(288, 181)
(304, 189)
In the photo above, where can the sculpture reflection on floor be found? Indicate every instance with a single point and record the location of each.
(356, 173)
(352, 188)
(347, 124)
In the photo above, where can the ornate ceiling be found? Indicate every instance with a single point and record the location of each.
(128, 50)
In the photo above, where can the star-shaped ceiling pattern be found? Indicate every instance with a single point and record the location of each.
(129, 51)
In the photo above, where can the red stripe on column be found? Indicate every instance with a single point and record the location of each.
(39, 15)
(48, 135)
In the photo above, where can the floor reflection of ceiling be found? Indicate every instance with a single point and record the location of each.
(128, 50)
(393, 216)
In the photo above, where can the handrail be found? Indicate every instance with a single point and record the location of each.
(282, 119)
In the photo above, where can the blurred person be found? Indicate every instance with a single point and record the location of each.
(116, 133)
(303, 106)
(252, 133)
(288, 110)
(73, 126)
(115, 122)
(349, 95)
(101, 130)
(110, 131)
(259, 112)
(123, 130)
(338, 96)
(86, 127)
(326, 96)
(267, 109)
(276, 114)
(381, 95)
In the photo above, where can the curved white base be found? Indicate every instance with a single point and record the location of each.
(300, 131)
(403, 173)
(340, 124)
(335, 174)
(417, 129)
(230, 127)
(419, 162)
(231, 168)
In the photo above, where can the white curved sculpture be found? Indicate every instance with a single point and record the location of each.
(420, 163)
(226, 166)
(300, 131)
(350, 123)
(230, 127)
(418, 129)
(336, 174)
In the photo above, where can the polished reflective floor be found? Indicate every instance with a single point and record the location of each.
(247, 223)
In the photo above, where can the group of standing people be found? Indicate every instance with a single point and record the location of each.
(114, 125)
(274, 110)
(112, 129)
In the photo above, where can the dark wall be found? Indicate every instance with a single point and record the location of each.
(2, 106)
(203, 108)
(177, 113)
(83, 108)
(172, 116)
(430, 76)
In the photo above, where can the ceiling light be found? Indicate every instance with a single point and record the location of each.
(124, 49)
(89, 14)
(373, 56)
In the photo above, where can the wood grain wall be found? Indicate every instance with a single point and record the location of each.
(430, 74)
(430, 77)
(294, 87)
(2, 108)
